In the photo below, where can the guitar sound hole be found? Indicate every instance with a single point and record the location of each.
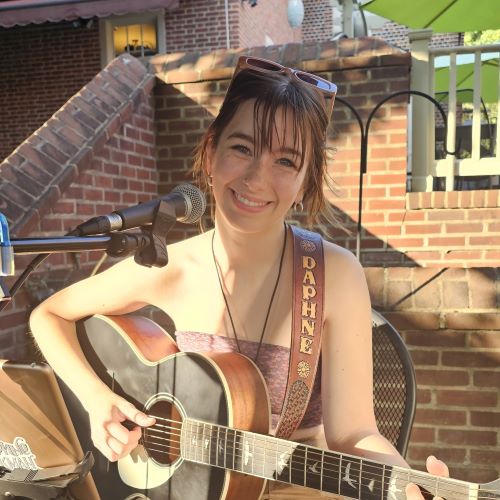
(162, 440)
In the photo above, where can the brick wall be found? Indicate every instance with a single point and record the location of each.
(397, 34)
(318, 21)
(183, 111)
(266, 24)
(198, 24)
(41, 67)
(94, 155)
(201, 25)
(449, 319)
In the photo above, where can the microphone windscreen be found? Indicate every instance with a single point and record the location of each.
(195, 202)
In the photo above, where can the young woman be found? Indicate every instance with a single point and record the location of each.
(231, 287)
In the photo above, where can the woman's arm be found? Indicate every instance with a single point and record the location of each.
(347, 368)
(123, 288)
(347, 376)
(114, 291)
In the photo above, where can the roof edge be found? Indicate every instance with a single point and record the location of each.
(337, 55)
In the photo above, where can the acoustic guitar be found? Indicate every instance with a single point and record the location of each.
(210, 438)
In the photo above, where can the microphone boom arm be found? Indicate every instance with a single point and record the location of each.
(149, 246)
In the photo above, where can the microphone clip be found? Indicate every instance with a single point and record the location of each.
(150, 245)
(155, 252)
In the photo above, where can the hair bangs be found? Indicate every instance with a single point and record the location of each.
(265, 128)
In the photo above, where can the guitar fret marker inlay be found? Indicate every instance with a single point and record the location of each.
(347, 478)
(371, 485)
(282, 462)
(247, 454)
(393, 489)
(314, 468)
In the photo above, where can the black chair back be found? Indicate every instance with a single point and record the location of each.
(394, 385)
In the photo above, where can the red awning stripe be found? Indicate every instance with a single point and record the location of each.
(23, 12)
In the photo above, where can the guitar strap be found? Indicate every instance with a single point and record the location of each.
(307, 323)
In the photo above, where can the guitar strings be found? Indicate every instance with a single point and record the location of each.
(363, 476)
(177, 449)
(296, 468)
(374, 489)
(282, 479)
(354, 472)
(363, 473)
(273, 450)
(170, 449)
(180, 431)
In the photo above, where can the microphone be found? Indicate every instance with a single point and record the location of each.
(6, 250)
(186, 201)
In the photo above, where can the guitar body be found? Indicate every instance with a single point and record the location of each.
(220, 388)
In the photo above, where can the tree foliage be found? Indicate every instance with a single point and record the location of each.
(486, 37)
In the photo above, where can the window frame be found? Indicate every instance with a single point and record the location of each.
(107, 24)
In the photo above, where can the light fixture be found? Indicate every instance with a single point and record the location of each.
(295, 12)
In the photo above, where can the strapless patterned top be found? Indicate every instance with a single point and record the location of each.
(273, 363)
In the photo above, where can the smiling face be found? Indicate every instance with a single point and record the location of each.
(257, 174)
(305, 131)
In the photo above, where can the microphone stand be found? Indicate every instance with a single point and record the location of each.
(149, 246)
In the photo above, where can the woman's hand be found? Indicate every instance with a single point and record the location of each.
(107, 412)
(434, 466)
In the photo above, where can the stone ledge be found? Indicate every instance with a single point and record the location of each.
(350, 53)
(453, 199)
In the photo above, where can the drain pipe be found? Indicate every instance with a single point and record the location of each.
(226, 9)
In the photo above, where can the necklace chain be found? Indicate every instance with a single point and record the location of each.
(270, 302)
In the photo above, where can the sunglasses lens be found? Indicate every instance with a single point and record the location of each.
(323, 85)
(312, 80)
(263, 65)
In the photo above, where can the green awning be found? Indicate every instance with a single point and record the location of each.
(465, 77)
(442, 16)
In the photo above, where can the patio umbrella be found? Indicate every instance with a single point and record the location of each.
(465, 76)
(442, 16)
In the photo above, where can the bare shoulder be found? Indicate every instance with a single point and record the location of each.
(190, 246)
(131, 275)
(189, 252)
(345, 281)
(183, 257)
(340, 263)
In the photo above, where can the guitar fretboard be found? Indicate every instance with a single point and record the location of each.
(298, 464)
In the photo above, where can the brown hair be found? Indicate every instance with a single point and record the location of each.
(308, 113)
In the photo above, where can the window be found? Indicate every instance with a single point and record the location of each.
(140, 35)
(136, 39)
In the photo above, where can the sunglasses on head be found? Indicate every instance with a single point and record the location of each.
(328, 89)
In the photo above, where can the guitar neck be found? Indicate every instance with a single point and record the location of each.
(298, 464)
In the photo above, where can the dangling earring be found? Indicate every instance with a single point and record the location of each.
(298, 206)
(210, 181)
